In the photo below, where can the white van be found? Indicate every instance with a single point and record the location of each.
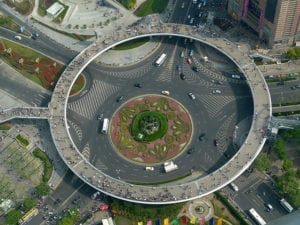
(234, 187)
(18, 37)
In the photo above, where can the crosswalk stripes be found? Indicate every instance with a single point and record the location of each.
(77, 129)
(129, 74)
(213, 104)
(99, 164)
(215, 75)
(167, 69)
(86, 151)
(223, 132)
(89, 103)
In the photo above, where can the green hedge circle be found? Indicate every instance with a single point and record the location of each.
(140, 122)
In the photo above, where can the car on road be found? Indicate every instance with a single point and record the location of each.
(189, 60)
(191, 150)
(138, 85)
(179, 67)
(165, 92)
(235, 76)
(182, 6)
(295, 87)
(18, 37)
(216, 91)
(120, 98)
(216, 142)
(219, 82)
(192, 96)
(100, 116)
(269, 207)
(34, 36)
(182, 76)
(195, 68)
(149, 168)
(201, 136)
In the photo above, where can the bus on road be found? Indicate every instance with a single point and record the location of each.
(256, 217)
(286, 205)
(161, 60)
(105, 125)
(28, 216)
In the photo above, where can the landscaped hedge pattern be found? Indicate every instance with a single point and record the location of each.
(169, 145)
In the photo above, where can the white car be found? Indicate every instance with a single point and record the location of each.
(18, 37)
(192, 96)
(217, 91)
(165, 92)
(235, 76)
(149, 168)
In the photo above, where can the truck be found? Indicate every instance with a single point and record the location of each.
(170, 166)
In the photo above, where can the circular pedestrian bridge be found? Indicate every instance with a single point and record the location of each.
(172, 192)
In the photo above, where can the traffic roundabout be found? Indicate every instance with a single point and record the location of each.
(199, 184)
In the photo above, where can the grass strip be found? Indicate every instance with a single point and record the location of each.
(48, 168)
(132, 44)
(22, 140)
(150, 7)
(231, 209)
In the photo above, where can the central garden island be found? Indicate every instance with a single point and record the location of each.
(150, 129)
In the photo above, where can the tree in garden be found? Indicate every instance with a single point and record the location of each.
(42, 189)
(29, 203)
(287, 164)
(66, 221)
(280, 149)
(262, 162)
(13, 217)
(287, 183)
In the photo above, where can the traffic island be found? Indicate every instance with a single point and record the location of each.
(151, 129)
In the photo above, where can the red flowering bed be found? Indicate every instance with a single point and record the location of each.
(170, 145)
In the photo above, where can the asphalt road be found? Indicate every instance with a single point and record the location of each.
(215, 115)
(256, 191)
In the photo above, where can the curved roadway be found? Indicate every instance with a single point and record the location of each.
(151, 26)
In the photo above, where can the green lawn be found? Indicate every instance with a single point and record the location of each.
(150, 7)
(5, 126)
(22, 140)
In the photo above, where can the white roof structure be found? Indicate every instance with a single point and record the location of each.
(54, 9)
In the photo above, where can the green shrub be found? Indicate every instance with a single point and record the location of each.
(22, 140)
(46, 162)
(139, 125)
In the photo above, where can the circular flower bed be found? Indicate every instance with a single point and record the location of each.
(170, 132)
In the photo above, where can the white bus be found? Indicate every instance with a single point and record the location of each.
(286, 205)
(256, 217)
(105, 125)
(161, 60)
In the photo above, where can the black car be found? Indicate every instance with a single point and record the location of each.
(195, 68)
(34, 36)
(119, 99)
(191, 150)
(138, 85)
(216, 142)
(100, 116)
(182, 76)
(201, 136)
